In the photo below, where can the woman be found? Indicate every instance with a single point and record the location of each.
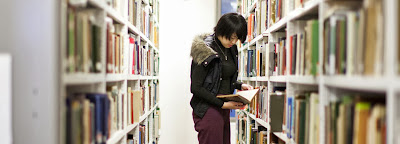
(214, 71)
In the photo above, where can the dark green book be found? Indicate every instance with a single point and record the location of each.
(276, 111)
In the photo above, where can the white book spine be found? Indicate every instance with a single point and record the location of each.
(351, 43)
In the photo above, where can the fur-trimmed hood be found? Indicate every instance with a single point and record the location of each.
(201, 49)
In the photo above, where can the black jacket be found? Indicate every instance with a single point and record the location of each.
(206, 74)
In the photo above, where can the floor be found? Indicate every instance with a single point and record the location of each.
(233, 131)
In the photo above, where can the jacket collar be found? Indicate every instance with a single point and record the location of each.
(201, 48)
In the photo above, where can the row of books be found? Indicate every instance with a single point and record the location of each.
(303, 51)
(251, 27)
(353, 41)
(135, 105)
(241, 128)
(156, 125)
(277, 66)
(148, 98)
(260, 108)
(277, 11)
(262, 16)
(94, 117)
(115, 47)
(296, 116)
(117, 117)
(142, 60)
(146, 22)
(142, 134)
(253, 61)
(155, 36)
(151, 91)
(256, 20)
(141, 137)
(351, 45)
(244, 5)
(155, 12)
(89, 118)
(303, 48)
(146, 17)
(301, 120)
(259, 105)
(356, 119)
(258, 134)
(155, 9)
(269, 108)
(83, 41)
(132, 11)
(348, 118)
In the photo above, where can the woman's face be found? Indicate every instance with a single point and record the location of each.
(228, 43)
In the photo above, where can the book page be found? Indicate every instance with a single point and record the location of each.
(241, 96)
(248, 94)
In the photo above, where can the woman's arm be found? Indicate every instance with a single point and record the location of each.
(198, 74)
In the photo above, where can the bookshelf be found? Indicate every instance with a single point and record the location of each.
(292, 52)
(109, 85)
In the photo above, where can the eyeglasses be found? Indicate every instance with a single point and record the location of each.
(233, 38)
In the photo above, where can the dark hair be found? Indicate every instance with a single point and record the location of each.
(231, 23)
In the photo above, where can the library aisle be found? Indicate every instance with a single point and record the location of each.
(118, 71)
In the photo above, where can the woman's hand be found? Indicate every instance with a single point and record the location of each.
(233, 105)
(246, 87)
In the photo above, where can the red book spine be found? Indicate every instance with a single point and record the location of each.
(132, 116)
(132, 42)
(291, 55)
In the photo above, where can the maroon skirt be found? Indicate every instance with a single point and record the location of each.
(214, 127)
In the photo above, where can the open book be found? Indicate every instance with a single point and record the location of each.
(244, 96)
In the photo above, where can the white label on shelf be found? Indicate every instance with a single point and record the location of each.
(5, 96)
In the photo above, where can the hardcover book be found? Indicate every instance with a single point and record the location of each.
(244, 96)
